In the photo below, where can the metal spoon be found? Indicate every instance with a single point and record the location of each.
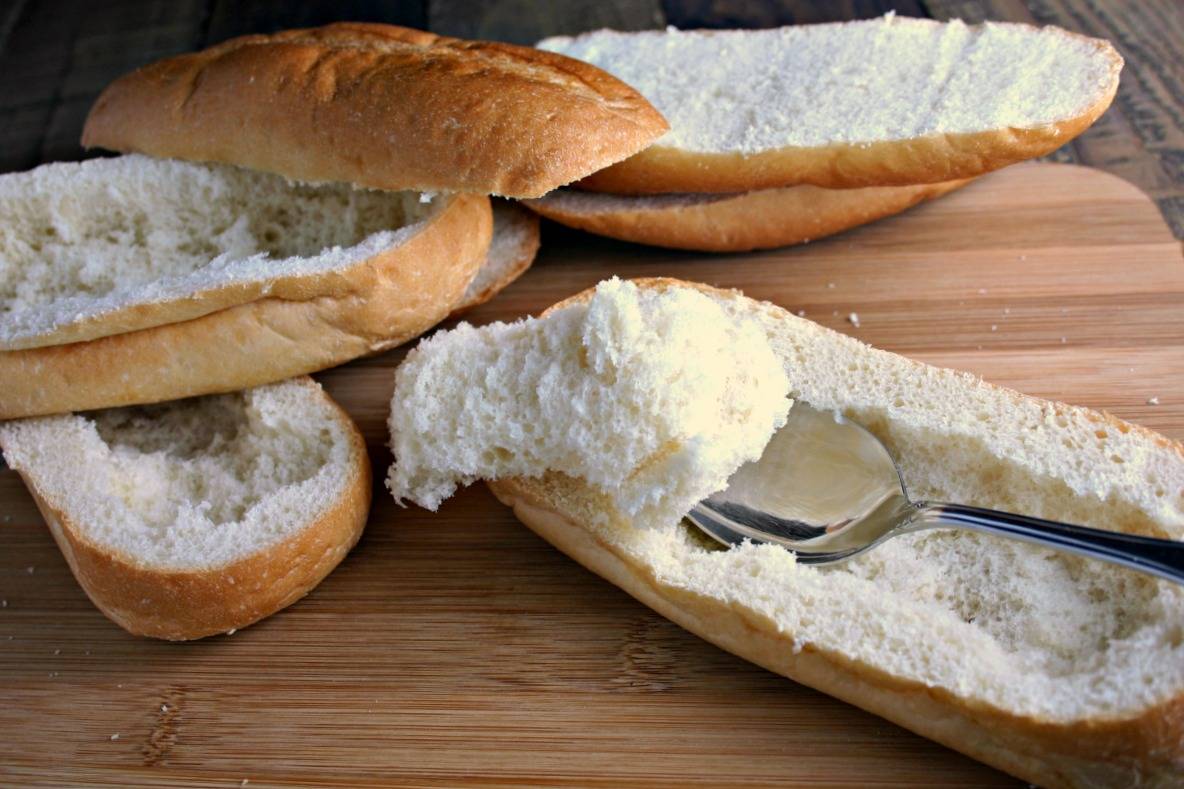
(827, 489)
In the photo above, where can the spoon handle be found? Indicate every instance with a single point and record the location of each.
(1163, 558)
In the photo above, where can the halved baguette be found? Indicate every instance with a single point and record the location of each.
(1062, 671)
(882, 102)
(732, 223)
(513, 248)
(201, 516)
(133, 279)
(380, 106)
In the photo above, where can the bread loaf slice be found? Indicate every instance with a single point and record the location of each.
(732, 223)
(1062, 671)
(889, 101)
(199, 516)
(380, 106)
(134, 279)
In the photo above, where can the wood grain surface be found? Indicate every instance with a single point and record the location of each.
(457, 649)
(56, 55)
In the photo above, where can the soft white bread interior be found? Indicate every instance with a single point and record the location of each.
(1057, 669)
(134, 280)
(113, 245)
(513, 248)
(707, 222)
(673, 396)
(380, 106)
(199, 516)
(880, 102)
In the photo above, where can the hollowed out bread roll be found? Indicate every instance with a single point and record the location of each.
(134, 279)
(732, 223)
(380, 106)
(198, 516)
(883, 102)
(1057, 669)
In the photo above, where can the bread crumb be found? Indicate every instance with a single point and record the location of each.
(3, 604)
(854, 319)
(1007, 310)
(830, 285)
(232, 631)
(30, 569)
(994, 327)
(164, 708)
(244, 782)
(835, 313)
(801, 313)
(114, 736)
(982, 291)
(1152, 401)
(1063, 341)
(57, 651)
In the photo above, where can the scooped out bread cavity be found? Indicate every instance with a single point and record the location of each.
(653, 398)
(87, 247)
(198, 516)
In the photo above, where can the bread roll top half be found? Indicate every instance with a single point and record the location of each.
(380, 106)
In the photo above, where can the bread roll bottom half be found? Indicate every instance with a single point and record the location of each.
(762, 219)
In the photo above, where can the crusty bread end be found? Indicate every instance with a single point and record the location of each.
(199, 516)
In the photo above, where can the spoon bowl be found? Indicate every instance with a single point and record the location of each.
(827, 489)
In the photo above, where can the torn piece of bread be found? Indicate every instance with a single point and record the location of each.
(732, 223)
(380, 106)
(199, 516)
(882, 102)
(133, 279)
(1054, 668)
(513, 248)
(653, 399)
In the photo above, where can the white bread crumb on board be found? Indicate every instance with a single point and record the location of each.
(673, 394)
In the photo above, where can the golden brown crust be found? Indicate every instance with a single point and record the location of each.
(380, 106)
(1146, 750)
(733, 223)
(933, 159)
(396, 296)
(187, 604)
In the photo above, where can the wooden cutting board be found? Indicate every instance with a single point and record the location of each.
(459, 649)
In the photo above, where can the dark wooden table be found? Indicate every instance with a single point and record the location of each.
(56, 55)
